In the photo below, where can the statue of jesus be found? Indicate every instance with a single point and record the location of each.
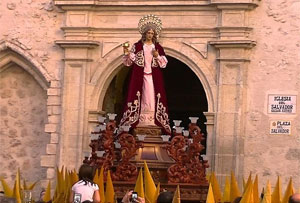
(146, 103)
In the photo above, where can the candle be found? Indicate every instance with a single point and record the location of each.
(165, 137)
(95, 137)
(102, 127)
(117, 145)
(177, 122)
(111, 116)
(141, 137)
(97, 129)
(101, 119)
(86, 154)
(185, 133)
(100, 153)
(126, 128)
(193, 119)
(178, 129)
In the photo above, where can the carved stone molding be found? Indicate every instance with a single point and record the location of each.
(77, 43)
(233, 43)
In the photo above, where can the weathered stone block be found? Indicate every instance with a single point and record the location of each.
(49, 110)
(56, 110)
(51, 149)
(50, 128)
(54, 138)
(55, 84)
(53, 100)
(48, 161)
(51, 173)
(54, 119)
(53, 92)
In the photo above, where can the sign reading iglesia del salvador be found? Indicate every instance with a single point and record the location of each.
(282, 104)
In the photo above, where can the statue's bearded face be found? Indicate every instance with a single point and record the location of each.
(149, 35)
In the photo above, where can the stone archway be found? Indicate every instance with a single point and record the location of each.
(179, 80)
(112, 65)
(185, 93)
(34, 96)
(23, 116)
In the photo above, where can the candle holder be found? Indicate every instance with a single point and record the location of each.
(189, 167)
(110, 144)
(102, 144)
(129, 145)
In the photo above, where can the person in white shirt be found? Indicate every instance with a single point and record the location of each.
(85, 189)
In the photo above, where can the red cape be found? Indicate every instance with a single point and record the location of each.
(132, 108)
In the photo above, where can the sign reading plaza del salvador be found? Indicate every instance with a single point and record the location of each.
(280, 127)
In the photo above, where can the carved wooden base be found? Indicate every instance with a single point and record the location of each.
(151, 131)
(153, 150)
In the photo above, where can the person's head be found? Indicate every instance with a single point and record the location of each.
(237, 200)
(295, 198)
(165, 197)
(149, 34)
(86, 172)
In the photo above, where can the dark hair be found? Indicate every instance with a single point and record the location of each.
(165, 197)
(237, 200)
(295, 198)
(149, 27)
(86, 173)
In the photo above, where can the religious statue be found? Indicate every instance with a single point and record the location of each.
(146, 103)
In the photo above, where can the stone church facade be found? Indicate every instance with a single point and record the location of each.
(58, 59)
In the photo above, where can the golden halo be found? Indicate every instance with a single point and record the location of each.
(151, 20)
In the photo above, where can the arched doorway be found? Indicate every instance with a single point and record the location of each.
(185, 93)
(23, 115)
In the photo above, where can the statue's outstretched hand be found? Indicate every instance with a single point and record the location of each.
(155, 53)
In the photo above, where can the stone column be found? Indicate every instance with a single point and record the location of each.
(233, 48)
(77, 62)
(232, 95)
(211, 137)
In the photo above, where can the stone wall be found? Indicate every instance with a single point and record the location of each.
(274, 69)
(28, 31)
(36, 25)
(23, 115)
